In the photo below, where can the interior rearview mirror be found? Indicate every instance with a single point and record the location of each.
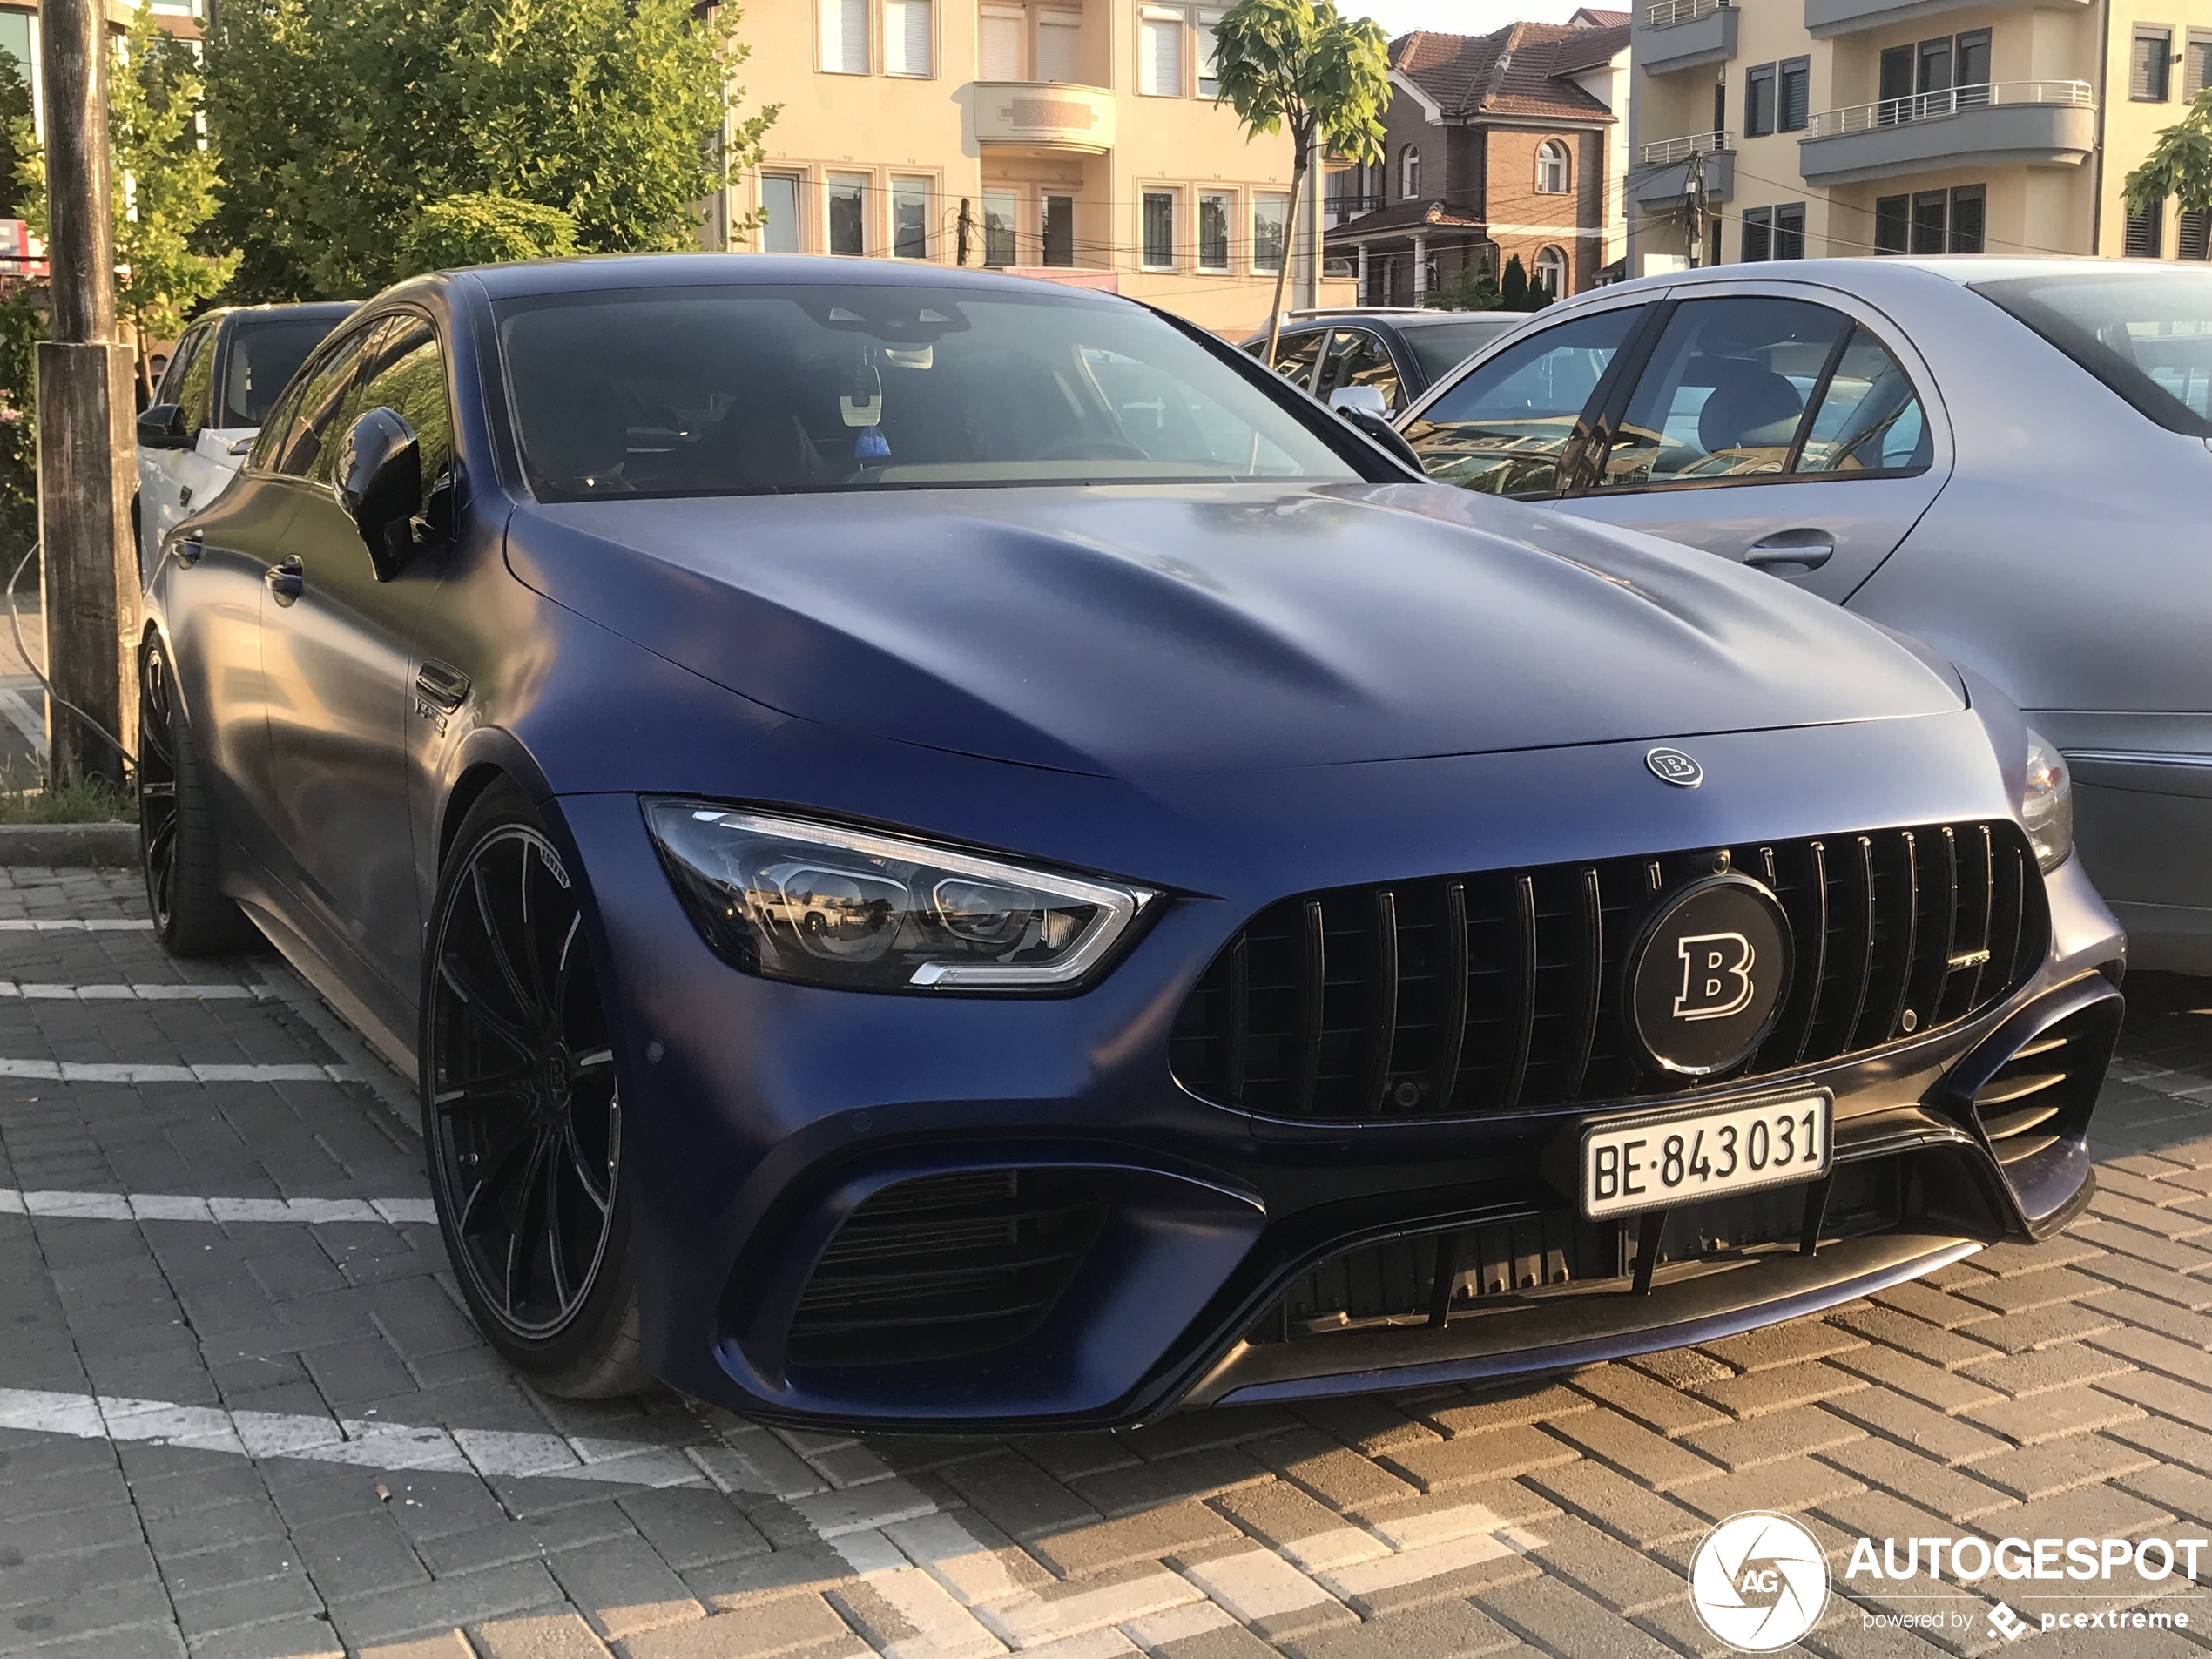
(162, 426)
(380, 485)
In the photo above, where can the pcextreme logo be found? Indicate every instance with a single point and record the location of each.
(1758, 1582)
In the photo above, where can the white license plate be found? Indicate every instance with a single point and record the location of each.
(1649, 1163)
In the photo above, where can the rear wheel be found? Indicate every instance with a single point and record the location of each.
(522, 1117)
(179, 835)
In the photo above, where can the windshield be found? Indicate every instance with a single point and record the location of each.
(749, 389)
(1439, 348)
(2146, 334)
(263, 356)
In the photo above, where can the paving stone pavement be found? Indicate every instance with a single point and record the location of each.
(266, 1431)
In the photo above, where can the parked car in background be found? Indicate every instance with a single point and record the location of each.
(2007, 458)
(1398, 353)
(225, 372)
(950, 851)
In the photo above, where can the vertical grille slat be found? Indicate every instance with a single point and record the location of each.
(1501, 991)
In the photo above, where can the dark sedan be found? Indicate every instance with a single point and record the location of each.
(1397, 354)
(949, 850)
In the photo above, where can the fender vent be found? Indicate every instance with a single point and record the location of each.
(2035, 1098)
(945, 1265)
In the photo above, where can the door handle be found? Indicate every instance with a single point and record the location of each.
(189, 548)
(442, 688)
(184, 495)
(1809, 550)
(285, 580)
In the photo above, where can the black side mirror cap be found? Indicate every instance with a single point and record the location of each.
(380, 474)
(162, 426)
(1384, 434)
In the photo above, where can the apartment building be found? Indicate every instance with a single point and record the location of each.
(19, 38)
(1075, 139)
(1829, 127)
(1499, 146)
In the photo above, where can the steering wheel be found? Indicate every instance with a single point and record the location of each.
(1095, 450)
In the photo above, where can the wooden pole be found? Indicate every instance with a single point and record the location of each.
(86, 415)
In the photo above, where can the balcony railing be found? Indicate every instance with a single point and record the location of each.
(1928, 106)
(1667, 151)
(1338, 210)
(1664, 12)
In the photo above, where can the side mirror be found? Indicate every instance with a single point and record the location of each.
(1368, 400)
(380, 485)
(1384, 434)
(162, 426)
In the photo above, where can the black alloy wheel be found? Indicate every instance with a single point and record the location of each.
(521, 1112)
(178, 834)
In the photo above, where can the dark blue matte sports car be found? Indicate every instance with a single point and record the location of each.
(951, 851)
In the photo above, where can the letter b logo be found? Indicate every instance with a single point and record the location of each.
(1716, 975)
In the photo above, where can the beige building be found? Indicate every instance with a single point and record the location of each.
(1076, 139)
(1829, 127)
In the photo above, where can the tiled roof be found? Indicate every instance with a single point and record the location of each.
(1517, 71)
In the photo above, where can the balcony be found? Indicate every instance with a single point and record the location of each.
(1660, 181)
(1683, 34)
(1824, 19)
(1045, 115)
(2035, 123)
(1342, 210)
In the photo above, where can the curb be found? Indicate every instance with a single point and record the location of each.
(106, 846)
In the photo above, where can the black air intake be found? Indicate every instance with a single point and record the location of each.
(1501, 991)
(2034, 1111)
(945, 1265)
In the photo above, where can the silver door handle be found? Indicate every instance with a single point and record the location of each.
(184, 495)
(1813, 551)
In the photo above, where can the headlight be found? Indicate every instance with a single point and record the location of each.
(824, 905)
(2046, 802)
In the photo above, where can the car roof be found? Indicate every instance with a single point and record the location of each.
(1874, 273)
(307, 309)
(609, 271)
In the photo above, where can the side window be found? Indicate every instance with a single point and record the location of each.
(1503, 428)
(190, 381)
(1726, 391)
(1295, 355)
(311, 408)
(409, 379)
(1357, 358)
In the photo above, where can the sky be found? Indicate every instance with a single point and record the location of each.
(1458, 17)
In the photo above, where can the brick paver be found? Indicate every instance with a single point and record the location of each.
(299, 1447)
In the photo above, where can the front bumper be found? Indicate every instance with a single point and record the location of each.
(767, 1116)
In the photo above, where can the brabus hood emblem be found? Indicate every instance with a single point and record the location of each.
(1673, 766)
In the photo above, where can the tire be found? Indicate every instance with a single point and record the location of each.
(180, 836)
(522, 1114)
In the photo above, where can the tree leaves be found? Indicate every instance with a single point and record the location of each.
(2179, 164)
(1298, 63)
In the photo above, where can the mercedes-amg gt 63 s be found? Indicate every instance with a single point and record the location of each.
(949, 851)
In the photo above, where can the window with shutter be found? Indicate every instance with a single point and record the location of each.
(1159, 72)
(1058, 42)
(1969, 204)
(1758, 101)
(2194, 236)
(1000, 45)
(1159, 231)
(845, 37)
(1892, 223)
(907, 38)
(1758, 234)
(2146, 238)
(1790, 232)
(1209, 82)
(1797, 94)
(2196, 63)
(1931, 220)
(2146, 76)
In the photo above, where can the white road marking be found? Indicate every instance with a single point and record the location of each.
(135, 993)
(74, 925)
(28, 721)
(80, 1071)
(163, 1206)
(364, 1444)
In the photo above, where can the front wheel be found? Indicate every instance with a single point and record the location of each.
(522, 1118)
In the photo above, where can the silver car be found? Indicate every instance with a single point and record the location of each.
(2011, 459)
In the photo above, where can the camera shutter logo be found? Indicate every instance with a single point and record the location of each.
(1716, 975)
(1758, 1582)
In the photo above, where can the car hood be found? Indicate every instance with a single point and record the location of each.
(1134, 630)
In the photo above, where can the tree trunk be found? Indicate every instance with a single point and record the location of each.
(1299, 137)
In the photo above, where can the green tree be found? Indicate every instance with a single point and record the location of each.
(1469, 288)
(1513, 288)
(163, 174)
(343, 123)
(1298, 65)
(2178, 165)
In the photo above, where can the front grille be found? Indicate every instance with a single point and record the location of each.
(945, 1265)
(1430, 1278)
(1501, 991)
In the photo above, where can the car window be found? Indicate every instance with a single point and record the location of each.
(190, 378)
(1503, 427)
(263, 354)
(1295, 355)
(770, 387)
(1748, 385)
(2147, 334)
(1357, 357)
(312, 414)
(407, 376)
(1439, 348)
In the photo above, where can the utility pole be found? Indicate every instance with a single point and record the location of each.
(86, 415)
(1694, 205)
